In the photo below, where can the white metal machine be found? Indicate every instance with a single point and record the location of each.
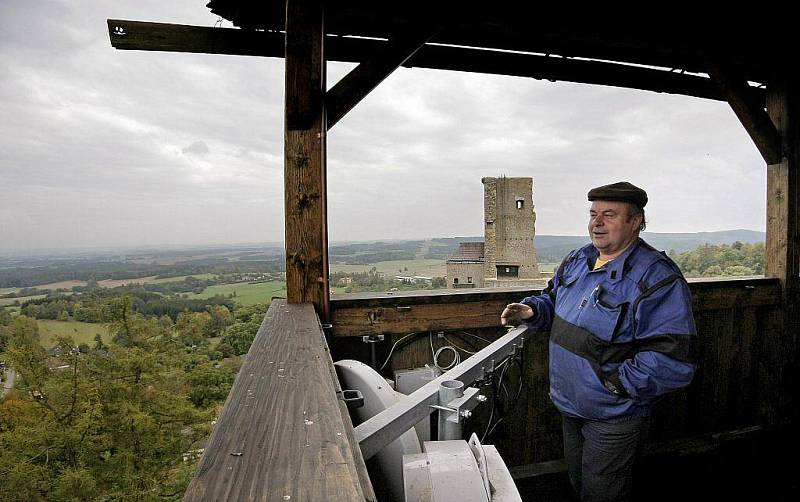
(442, 471)
(457, 471)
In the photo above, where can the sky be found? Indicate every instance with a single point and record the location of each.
(108, 148)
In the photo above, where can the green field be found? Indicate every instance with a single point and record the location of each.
(427, 268)
(9, 301)
(81, 332)
(181, 278)
(247, 293)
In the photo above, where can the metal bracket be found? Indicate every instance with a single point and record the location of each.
(458, 406)
(377, 432)
(352, 398)
(372, 338)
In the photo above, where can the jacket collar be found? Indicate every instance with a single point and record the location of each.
(615, 269)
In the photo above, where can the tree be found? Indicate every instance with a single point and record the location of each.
(220, 317)
(191, 328)
(239, 337)
(99, 425)
(5, 316)
(209, 384)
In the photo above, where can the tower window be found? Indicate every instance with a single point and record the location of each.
(469, 280)
(455, 280)
(507, 271)
(520, 203)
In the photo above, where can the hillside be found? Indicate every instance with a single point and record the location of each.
(551, 248)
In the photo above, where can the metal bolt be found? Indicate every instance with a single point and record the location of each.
(481, 398)
(466, 413)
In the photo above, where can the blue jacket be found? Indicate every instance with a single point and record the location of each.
(620, 336)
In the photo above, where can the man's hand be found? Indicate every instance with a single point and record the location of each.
(516, 312)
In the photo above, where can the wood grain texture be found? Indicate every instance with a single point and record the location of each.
(780, 353)
(750, 112)
(742, 375)
(362, 315)
(782, 191)
(198, 39)
(305, 168)
(281, 432)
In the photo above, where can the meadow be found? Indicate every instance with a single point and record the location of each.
(424, 267)
(81, 332)
(247, 293)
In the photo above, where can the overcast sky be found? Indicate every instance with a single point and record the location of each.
(101, 147)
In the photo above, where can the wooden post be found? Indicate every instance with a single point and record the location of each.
(782, 260)
(305, 170)
(779, 354)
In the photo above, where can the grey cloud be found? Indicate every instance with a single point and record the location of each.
(197, 148)
(100, 147)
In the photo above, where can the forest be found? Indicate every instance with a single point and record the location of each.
(119, 420)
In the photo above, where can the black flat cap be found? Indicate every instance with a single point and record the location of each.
(621, 191)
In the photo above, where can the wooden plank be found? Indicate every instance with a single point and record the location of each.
(305, 159)
(750, 112)
(365, 77)
(383, 320)
(281, 432)
(182, 38)
(781, 247)
(362, 315)
(144, 36)
(358, 458)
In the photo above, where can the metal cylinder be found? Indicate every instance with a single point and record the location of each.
(449, 422)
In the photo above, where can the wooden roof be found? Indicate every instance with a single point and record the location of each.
(680, 41)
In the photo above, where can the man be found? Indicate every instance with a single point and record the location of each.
(621, 335)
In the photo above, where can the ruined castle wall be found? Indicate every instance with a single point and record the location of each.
(469, 275)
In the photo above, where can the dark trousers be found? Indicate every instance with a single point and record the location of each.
(601, 456)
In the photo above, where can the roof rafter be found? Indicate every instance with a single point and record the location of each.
(751, 113)
(357, 84)
(134, 35)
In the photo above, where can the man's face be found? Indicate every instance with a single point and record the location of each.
(610, 228)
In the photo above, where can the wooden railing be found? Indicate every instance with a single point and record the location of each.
(745, 355)
(285, 433)
(363, 314)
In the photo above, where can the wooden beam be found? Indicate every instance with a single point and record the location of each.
(305, 158)
(750, 112)
(161, 37)
(782, 259)
(375, 314)
(282, 434)
(143, 36)
(365, 77)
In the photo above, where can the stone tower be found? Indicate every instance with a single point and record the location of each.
(509, 228)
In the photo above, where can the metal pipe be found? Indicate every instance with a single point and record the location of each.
(448, 391)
